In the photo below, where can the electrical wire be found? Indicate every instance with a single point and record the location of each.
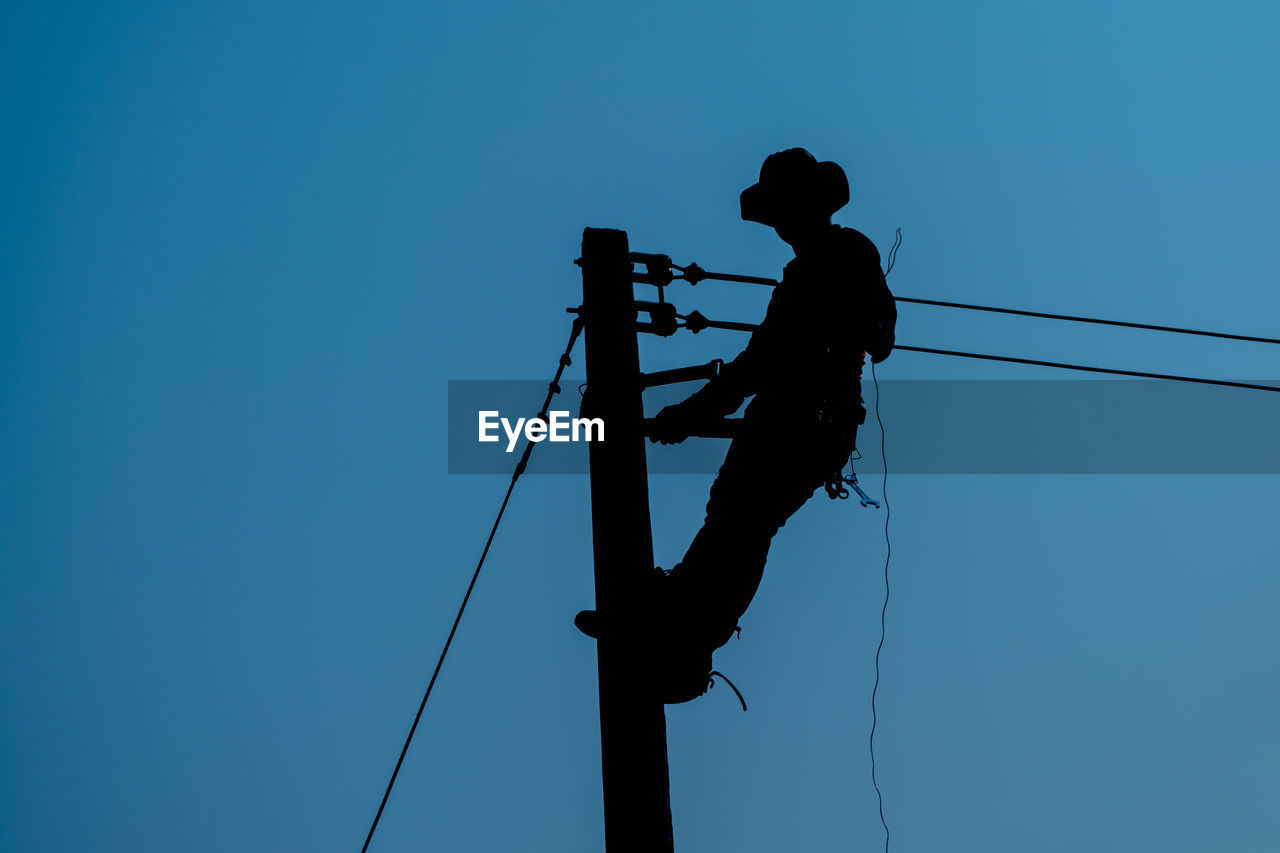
(888, 550)
(893, 251)
(733, 326)
(701, 274)
(1090, 369)
(552, 389)
(1046, 316)
(884, 493)
(439, 663)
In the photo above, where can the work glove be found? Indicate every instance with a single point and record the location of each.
(672, 425)
(710, 403)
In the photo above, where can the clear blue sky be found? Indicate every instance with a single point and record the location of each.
(245, 246)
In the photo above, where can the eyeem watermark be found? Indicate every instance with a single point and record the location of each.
(558, 427)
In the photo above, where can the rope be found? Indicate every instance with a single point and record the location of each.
(552, 390)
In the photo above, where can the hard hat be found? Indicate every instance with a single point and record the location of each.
(794, 181)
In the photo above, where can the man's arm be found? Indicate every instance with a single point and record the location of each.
(875, 312)
(724, 394)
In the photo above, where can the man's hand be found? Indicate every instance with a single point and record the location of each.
(672, 424)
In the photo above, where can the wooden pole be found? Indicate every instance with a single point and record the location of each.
(633, 728)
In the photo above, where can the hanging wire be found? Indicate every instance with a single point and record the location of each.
(552, 389)
(884, 608)
(888, 550)
(893, 253)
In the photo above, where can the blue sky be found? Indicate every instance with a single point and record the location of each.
(245, 247)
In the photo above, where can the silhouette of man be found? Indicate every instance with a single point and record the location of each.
(803, 366)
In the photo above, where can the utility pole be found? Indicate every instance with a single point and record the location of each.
(633, 727)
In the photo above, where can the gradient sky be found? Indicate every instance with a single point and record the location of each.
(245, 246)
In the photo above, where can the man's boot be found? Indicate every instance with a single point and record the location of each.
(663, 629)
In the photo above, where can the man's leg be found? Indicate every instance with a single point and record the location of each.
(768, 474)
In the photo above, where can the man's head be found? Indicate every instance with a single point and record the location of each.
(796, 194)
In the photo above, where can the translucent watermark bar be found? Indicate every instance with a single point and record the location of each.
(1000, 426)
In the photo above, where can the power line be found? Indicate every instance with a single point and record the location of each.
(1043, 315)
(552, 390)
(696, 322)
(694, 273)
(1090, 369)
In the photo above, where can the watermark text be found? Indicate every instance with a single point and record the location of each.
(557, 427)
